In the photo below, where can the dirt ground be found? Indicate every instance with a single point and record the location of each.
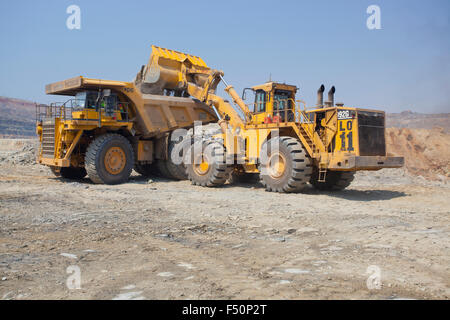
(161, 239)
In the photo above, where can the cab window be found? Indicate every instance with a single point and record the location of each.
(80, 99)
(86, 99)
(260, 101)
(281, 101)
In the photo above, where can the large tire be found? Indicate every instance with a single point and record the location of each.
(168, 168)
(161, 169)
(176, 151)
(109, 159)
(286, 170)
(72, 173)
(208, 168)
(334, 180)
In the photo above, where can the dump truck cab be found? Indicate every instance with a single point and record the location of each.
(85, 102)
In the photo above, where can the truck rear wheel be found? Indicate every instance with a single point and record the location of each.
(109, 159)
(285, 166)
(168, 168)
(176, 152)
(334, 180)
(208, 167)
(162, 170)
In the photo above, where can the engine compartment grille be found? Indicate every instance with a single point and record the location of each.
(372, 141)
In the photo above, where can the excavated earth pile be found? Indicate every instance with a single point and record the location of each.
(426, 151)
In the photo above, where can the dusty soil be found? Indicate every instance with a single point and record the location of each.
(162, 239)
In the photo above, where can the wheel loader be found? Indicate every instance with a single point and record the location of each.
(109, 127)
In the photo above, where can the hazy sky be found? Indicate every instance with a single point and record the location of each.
(403, 66)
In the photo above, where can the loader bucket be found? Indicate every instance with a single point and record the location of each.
(165, 70)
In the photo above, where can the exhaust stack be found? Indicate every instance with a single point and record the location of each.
(320, 96)
(330, 101)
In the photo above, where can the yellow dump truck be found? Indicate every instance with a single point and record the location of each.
(110, 126)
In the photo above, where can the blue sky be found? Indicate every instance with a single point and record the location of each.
(403, 66)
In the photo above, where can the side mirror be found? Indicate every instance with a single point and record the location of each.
(243, 93)
(106, 92)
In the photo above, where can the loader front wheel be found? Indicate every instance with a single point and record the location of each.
(109, 159)
(334, 180)
(206, 164)
(285, 166)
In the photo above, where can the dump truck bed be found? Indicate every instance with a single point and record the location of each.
(152, 114)
(166, 113)
(70, 87)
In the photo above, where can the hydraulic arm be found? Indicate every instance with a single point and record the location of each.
(175, 73)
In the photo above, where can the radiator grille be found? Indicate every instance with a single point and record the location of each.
(48, 139)
(372, 141)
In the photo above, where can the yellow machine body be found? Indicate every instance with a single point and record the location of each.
(63, 128)
(175, 89)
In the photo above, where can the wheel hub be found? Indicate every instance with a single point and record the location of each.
(115, 160)
(277, 165)
(201, 167)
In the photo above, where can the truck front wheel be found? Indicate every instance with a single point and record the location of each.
(109, 159)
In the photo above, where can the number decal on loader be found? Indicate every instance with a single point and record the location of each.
(344, 114)
(346, 135)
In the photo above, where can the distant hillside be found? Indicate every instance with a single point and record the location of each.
(17, 118)
(414, 120)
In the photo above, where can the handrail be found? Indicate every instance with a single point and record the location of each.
(294, 107)
(307, 120)
(65, 110)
